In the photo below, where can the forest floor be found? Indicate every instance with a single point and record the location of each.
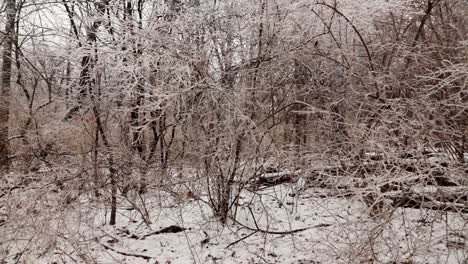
(272, 226)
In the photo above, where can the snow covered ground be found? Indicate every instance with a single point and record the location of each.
(316, 226)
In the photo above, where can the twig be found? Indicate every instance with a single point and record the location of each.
(281, 232)
(241, 239)
(123, 253)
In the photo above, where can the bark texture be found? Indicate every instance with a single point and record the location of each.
(5, 85)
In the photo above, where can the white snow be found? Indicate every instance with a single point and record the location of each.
(339, 230)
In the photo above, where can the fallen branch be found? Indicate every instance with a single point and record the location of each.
(275, 179)
(241, 239)
(289, 232)
(170, 229)
(420, 201)
(123, 253)
(355, 175)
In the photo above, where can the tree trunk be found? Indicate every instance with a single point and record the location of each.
(6, 79)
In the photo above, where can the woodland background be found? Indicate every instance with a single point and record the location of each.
(117, 101)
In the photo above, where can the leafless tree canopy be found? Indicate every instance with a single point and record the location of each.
(109, 107)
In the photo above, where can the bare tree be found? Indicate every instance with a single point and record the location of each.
(5, 91)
